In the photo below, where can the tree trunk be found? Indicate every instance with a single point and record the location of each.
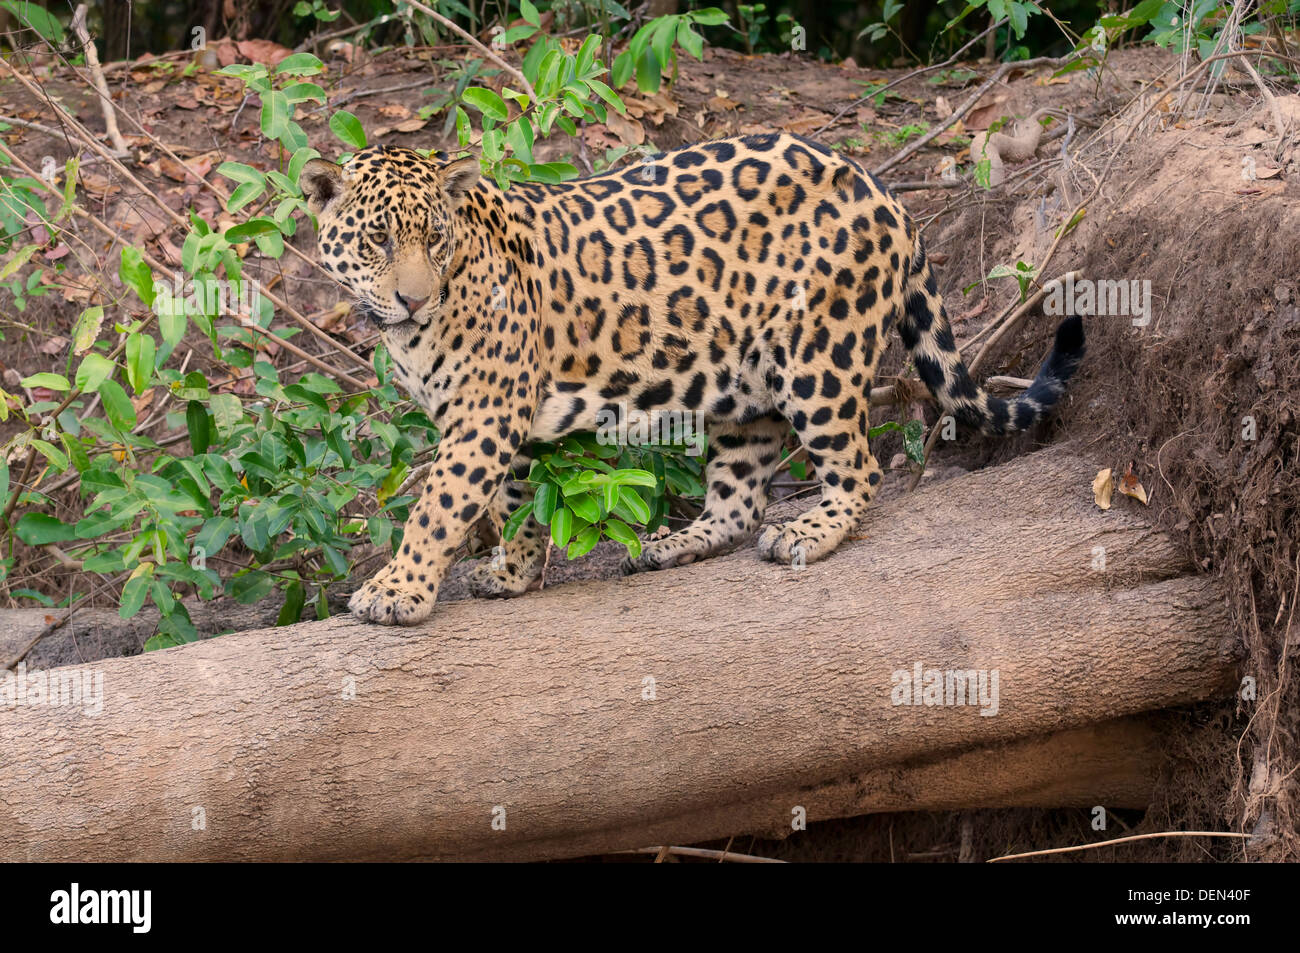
(684, 705)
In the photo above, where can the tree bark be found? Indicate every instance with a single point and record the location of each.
(676, 706)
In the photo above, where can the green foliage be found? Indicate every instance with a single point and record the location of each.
(1023, 272)
(35, 17)
(653, 50)
(586, 490)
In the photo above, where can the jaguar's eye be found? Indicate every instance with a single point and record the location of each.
(379, 238)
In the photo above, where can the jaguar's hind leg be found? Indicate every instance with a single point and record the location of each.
(834, 432)
(742, 458)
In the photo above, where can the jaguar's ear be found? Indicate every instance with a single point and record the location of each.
(321, 183)
(459, 177)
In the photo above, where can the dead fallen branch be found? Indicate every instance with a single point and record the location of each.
(668, 708)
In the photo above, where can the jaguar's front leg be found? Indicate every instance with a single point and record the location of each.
(514, 563)
(473, 458)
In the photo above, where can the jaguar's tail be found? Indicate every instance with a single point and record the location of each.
(925, 331)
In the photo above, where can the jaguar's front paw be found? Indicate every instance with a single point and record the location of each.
(389, 602)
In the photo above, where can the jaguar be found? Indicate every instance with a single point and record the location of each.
(752, 281)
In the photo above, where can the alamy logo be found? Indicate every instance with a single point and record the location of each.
(976, 688)
(211, 296)
(103, 906)
(1087, 298)
(626, 427)
(63, 687)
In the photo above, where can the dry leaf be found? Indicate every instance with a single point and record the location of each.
(981, 117)
(629, 131)
(808, 121)
(1129, 486)
(262, 51)
(54, 346)
(410, 125)
(1102, 488)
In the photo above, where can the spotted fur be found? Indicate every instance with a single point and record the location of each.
(752, 279)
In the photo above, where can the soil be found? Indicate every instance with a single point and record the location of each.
(1201, 404)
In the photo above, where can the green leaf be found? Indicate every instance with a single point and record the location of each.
(380, 529)
(86, 330)
(708, 16)
(242, 195)
(637, 506)
(544, 501)
(276, 112)
(214, 534)
(117, 405)
(561, 526)
(47, 380)
(348, 128)
(634, 478)
(620, 532)
(37, 529)
(136, 590)
(622, 69)
(648, 75)
(607, 94)
(237, 234)
(251, 587)
(37, 18)
(94, 370)
(529, 13)
(196, 421)
(20, 259)
(227, 413)
(140, 353)
(586, 505)
(520, 136)
(584, 542)
(56, 457)
(299, 64)
(486, 102)
(690, 41)
(301, 92)
(516, 520)
(241, 173)
(295, 596)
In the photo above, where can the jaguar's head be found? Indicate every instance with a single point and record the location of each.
(386, 228)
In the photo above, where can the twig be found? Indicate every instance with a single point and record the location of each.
(902, 79)
(180, 222)
(474, 42)
(965, 107)
(1278, 121)
(719, 855)
(1119, 840)
(54, 626)
(49, 131)
(97, 76)
(359, 93)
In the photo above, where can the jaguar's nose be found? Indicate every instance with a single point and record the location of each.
(412, 305)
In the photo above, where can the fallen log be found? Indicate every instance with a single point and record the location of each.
(675, 706)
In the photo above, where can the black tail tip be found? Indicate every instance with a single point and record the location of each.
(1069, 337)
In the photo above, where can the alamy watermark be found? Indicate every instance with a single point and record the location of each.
(1086, 297)
(625, 427)
(936, 687)
(63, 687)
(215, 297)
